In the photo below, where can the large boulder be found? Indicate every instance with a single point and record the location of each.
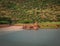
(34, 26)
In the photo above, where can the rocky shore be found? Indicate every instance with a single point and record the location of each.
(19, 27)
(35, 26)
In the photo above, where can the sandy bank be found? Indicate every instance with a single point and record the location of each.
(11, 28)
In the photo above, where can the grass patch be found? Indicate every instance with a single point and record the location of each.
(49, 25)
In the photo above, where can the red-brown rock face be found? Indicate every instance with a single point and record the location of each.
(34, 26)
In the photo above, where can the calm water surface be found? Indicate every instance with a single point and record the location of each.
(42, 37)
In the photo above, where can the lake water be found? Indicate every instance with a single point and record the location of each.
(41, 37)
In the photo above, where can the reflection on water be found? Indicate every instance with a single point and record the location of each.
(42, 37)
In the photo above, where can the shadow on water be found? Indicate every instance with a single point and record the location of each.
(42, 37)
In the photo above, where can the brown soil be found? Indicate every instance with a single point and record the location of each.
(4, 25)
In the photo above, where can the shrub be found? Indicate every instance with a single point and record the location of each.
(25, 21)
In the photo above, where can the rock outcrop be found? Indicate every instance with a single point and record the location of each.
(35, 26)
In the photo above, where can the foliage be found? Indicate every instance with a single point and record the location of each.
(29, 11)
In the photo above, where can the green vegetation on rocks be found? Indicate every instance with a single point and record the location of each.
(30, 11)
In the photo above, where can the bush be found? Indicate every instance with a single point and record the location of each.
(25, 21)
(4, 20)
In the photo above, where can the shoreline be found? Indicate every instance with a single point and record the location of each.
(19, 27)
(16, 27)
(11, 28)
